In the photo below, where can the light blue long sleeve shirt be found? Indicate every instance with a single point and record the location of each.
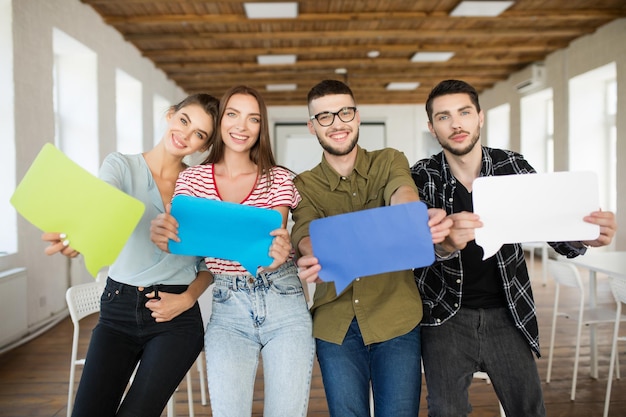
(141, 263)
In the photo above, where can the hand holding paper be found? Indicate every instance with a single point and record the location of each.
(535, 208)
(220, 229)
(57, 195)
(372, 241)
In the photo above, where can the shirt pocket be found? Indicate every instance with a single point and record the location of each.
(375, 197)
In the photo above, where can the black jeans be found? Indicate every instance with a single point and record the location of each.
(125, 335)
(480, 340)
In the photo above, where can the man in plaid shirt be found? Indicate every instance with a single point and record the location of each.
(478, 315)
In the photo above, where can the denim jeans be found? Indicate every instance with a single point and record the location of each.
(266, 314)
(126, 334)
(393, 367)
(480, 340)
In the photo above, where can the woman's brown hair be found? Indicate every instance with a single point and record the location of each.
(261, 152)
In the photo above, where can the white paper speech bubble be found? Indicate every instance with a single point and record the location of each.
(535, 208)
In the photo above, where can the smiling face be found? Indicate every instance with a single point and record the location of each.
(189, 129)
(241, 123)
(340, 138)
(456, 123)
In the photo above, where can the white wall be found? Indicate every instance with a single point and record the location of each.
(33, 22)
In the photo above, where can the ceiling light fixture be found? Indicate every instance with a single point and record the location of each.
(281, 87)
(341, 71)
(373, 54)
(276, 59)
(431, 56)
(481, 8)
(271, 10)
(404, 86)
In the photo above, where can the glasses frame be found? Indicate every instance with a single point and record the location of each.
(353, 108)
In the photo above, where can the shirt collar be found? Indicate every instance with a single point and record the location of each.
(485, 170)
(361, 167)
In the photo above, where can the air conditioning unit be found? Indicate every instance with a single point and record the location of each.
(533, 78)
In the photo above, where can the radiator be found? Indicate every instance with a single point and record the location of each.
(13, 305)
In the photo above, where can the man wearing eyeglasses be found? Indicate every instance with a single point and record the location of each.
(368, 334)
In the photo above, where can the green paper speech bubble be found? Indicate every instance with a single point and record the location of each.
(57, 195)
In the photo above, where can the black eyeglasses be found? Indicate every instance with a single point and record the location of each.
(326, 118)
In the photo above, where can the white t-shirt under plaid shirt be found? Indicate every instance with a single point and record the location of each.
(199, 181)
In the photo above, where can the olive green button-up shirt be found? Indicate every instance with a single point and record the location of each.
(385, 305)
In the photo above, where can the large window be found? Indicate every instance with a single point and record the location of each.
(128, 113)
(537, 130)
(160, 105)
(611, 106)
(8, 237)
(76, 100)
(498, 127)
(592, 129)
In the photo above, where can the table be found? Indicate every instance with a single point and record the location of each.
(610, 263)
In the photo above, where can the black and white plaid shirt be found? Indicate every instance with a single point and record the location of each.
(441, 284)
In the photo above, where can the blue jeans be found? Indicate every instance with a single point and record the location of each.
(266, 314)
(393, 367)
(127, 334)
(480, 340)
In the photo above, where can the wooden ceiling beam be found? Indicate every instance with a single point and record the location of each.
(159, 55)
(113, 2)
(396, 74)
(524, 17)
(379, 64)
(372, 81)
(478, 81)
(359, 35)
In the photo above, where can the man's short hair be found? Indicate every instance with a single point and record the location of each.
(328, 87)
(451, 87)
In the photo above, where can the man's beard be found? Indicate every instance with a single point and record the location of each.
(464, 151)
(327, 146)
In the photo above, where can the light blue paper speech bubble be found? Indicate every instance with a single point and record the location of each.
(224, 230)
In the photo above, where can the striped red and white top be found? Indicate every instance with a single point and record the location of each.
(199, 181)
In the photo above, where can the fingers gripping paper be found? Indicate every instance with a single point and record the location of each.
(57, 195)
(224, 230)
(373, 241)
(534, 208)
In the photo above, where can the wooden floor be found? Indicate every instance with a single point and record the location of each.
(33, 377)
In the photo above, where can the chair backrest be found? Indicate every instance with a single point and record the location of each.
(102, 274)
(84, 299)
(618, 287)
(565, 273)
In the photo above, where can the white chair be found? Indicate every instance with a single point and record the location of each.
(530, 247)
(485, 377)
(84, 300)
(618, 287)
(201, 367)
(566, 274)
